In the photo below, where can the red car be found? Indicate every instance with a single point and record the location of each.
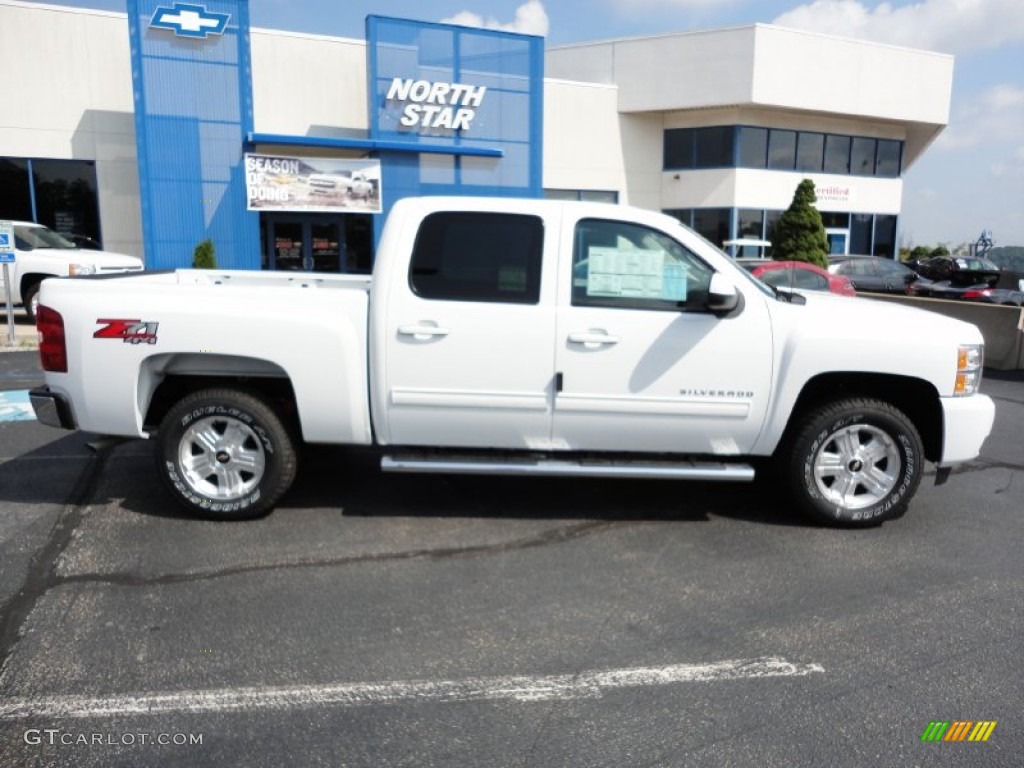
(797, 275)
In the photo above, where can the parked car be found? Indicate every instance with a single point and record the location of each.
(84, 242)
(797, 275)
(41, 253)
(873, 274)
(958, 270)
(980, 292)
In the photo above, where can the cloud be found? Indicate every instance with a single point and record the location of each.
(994, 116)
(531, 19)
(950, 26)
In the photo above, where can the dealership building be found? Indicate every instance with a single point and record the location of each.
(153, 130)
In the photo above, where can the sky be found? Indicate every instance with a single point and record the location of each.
(970, 179)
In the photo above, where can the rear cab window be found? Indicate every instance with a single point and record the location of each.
(478, 256)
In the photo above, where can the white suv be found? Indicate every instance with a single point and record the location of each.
(40, 253)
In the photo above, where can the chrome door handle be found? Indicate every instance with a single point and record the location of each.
(592, 337)
(422, 331)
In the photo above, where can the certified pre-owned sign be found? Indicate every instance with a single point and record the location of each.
(436, 105)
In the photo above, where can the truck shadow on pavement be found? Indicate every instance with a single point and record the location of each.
(349, 481)
(353, 479)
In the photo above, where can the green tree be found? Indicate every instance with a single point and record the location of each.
(800, 234)
(921, 252)
(939, 250)
(203, 257)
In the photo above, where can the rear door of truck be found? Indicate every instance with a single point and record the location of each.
(469, 331)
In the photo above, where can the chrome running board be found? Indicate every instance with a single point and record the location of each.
(624, 468)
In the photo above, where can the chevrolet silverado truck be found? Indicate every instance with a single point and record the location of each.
(522, 337)
(41, 253)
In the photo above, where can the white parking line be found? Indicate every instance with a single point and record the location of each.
(522, 689)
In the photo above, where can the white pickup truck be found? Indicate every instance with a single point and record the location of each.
(525, 337)
(41, 253)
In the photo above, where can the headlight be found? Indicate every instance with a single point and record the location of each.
(81, 269)
(969, 360)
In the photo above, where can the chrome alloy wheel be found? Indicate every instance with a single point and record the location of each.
(221, 458)
(857, 466)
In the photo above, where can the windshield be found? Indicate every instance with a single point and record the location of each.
(28, 238)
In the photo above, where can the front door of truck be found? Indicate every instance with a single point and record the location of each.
(641, 365)
(469, 334)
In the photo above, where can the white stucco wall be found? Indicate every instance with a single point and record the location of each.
(70, 93)
(307, 84)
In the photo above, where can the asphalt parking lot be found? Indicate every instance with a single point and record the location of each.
(379, 620)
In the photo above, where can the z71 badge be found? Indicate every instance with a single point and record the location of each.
(129, 331)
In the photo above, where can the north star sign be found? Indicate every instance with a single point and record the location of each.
(188, 20)
(436, 105)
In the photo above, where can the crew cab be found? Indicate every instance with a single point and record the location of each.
(41, 253)
(525, 337)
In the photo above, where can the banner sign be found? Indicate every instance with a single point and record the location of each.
(318, 184)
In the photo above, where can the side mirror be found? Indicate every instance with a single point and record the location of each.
(723, 297)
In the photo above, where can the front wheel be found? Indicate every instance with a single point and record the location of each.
(855, 463)
(225, 454)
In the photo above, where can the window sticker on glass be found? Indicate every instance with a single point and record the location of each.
(634, 274)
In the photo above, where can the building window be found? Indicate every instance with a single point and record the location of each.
(679, 148)
(714, 147)
(15, 192)
(885, 236)
(749, 223)
(778, 149)
(835, 220)
(862, 157)
(58, 193)
(685, 215)
(888, 162)
(837, 154)
(860, 233)
(782, 150)
(65, 192)
(713, 224)
(810, 151)
(486, 257)
(752, 147)
(586, 195)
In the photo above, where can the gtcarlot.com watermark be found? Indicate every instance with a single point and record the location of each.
(56, 737)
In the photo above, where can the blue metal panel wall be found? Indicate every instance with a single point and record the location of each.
(509, 118)
(193, 109)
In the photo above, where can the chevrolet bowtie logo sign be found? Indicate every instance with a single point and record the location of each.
(189, 20)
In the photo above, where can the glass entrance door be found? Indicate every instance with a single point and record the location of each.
(838, 241)
(308, 243)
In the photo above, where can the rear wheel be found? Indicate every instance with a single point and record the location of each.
(225, 454)
(855, 463)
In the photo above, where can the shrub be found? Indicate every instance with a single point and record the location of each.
(203, 257)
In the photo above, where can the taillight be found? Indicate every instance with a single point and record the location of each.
(53, 350)
(977, 294)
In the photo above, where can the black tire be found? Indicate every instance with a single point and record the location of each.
(28, 299)
(247, 446)
(855, 463)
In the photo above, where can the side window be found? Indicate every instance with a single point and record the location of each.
(804, 278)
(859, 268)
(892, 269)
(618, 264)
(469, 256)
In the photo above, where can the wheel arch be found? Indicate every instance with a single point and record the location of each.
(165, 379)
(917, 398)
